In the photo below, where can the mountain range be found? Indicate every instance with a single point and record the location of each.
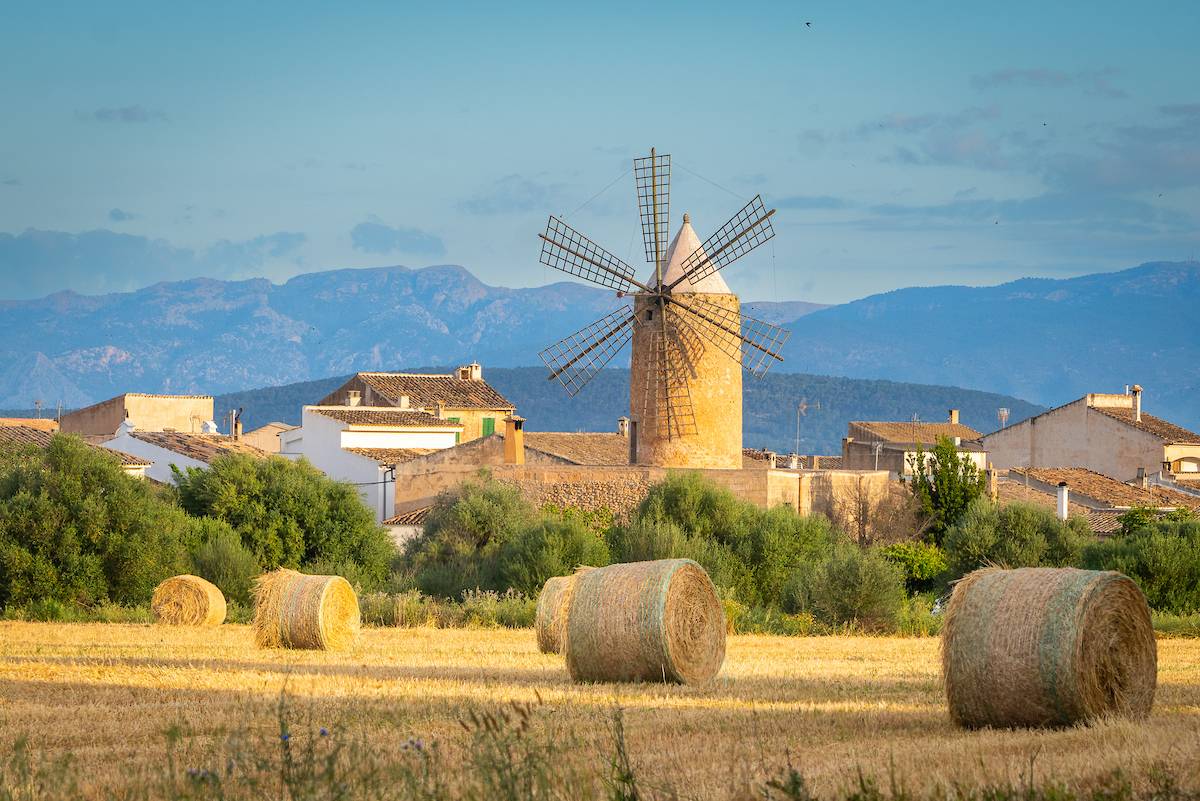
(1044, 340)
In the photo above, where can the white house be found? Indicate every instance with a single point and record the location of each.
(165, 448)
(363, 444)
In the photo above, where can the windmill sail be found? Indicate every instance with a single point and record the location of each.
(564, 248)
(754, 344)
(745, 231)
(576, 360)
(653, 177)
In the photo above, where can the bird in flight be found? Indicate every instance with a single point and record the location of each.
(808, 24)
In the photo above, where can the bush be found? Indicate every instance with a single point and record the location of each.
(552, 547)
(922, 563)
(75, 529)
(1013, 535)
(290, 514)
(858, 587)
(1162, 557)
(946, 483)
(645, 540)
(223, 559)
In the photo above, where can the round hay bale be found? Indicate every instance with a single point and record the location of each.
(553, 603)
(188, 601)
(1047, 647)
(294, 610)
(645, 621)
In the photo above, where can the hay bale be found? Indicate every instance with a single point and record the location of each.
(293, 610)
(553, 603)
(188, 601)
(645, 621)
(1047, 647)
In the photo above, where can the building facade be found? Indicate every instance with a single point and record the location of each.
(183, 413)
(893, 446)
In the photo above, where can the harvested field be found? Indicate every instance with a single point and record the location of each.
(107, 693)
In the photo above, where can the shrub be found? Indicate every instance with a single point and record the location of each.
(859, 588)
(223, 559)
(644, 540)
(75, 529)
(1013, 535)
(946, 482)
(290, 514)
(922, 563)
(551, 547)
(1162, 557)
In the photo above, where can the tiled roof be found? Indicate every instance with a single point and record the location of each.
(916, 432)
(1107, 490)
(384, 416)
(429, 390)
(391, 455)
(829, 462)
(1104, 522)
(1014, 490)
(14, 436)
(413, 517)
(201, 447)
(581, 447)
(40, 423)
(1167, 432)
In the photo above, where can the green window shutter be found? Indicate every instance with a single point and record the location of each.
(489, 426)
(457, 434)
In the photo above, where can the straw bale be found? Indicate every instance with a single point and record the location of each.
(188, 601)
(645, 621)
(553, 603)
(1047, 647)
(294, 610)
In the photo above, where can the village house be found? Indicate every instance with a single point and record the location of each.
(184, 413)
(363, 445)
(893, 446)
(1109, 434)
(164, 449)
(17, 436)
(266, 438)
(461, 397)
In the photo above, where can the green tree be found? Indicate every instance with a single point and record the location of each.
(290, 514)
(1013, 535)
(74, 528)
(945, 482)
(857, 586)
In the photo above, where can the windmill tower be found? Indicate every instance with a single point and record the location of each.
(690, 338)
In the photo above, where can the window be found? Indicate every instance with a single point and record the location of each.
(489, 426)
(457, 434)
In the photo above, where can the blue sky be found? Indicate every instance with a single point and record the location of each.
(904, 144)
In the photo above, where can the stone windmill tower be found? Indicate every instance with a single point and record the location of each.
(690, 338)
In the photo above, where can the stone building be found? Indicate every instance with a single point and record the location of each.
(1109, 434)
(713, 379)
(461, 397)
(149, 412)
(893, 446)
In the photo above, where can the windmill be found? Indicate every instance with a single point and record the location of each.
(690, 338)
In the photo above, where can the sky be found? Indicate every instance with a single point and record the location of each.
(903, 144)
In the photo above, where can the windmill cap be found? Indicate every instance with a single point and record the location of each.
(682, 246)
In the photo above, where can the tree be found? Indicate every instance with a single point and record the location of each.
(74, 528)
(945, 482)
(290, 514)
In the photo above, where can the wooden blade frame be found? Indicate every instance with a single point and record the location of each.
(752, 343)
(653, 178)
(576, 360)
(745, 231)
(564, 248)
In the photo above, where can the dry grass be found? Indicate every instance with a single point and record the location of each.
(108, 692)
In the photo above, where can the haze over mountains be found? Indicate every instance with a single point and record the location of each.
(1044, 340)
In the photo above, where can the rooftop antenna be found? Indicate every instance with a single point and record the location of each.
(802, 411)
(685, 326)
(1002, 416)
(37, 405)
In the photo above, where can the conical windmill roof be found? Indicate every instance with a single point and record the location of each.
(682, 246)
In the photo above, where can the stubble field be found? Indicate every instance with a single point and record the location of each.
(832, 706)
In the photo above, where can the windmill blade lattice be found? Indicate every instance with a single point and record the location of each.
(666, 386)
(576, 360)
(745, 231)
(653, 177)
(564, 248)
(754, 344)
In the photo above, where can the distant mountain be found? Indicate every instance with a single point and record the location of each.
(769, 418)
(218, 336)
(1050, 341)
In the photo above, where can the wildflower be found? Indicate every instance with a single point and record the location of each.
(285, 737)
(324, 732)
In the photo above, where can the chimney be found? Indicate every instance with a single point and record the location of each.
(793, 461)
(404, 402)
(954, 416)
(470, 372)
(1062, 500)
(993, 483)
(623, 426)
(514, 439)
(1137, 402)
(353, 397)
(1143, 480)
(237, 425)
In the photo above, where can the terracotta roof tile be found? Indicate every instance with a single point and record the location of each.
(413, 517)
(580, 448)
(1166, 431)
(384, 416)
(40, 423)
(1108, 490)
(390, 456)
(429, 390)
(201, 447)
(916, 432)
(15, 436)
